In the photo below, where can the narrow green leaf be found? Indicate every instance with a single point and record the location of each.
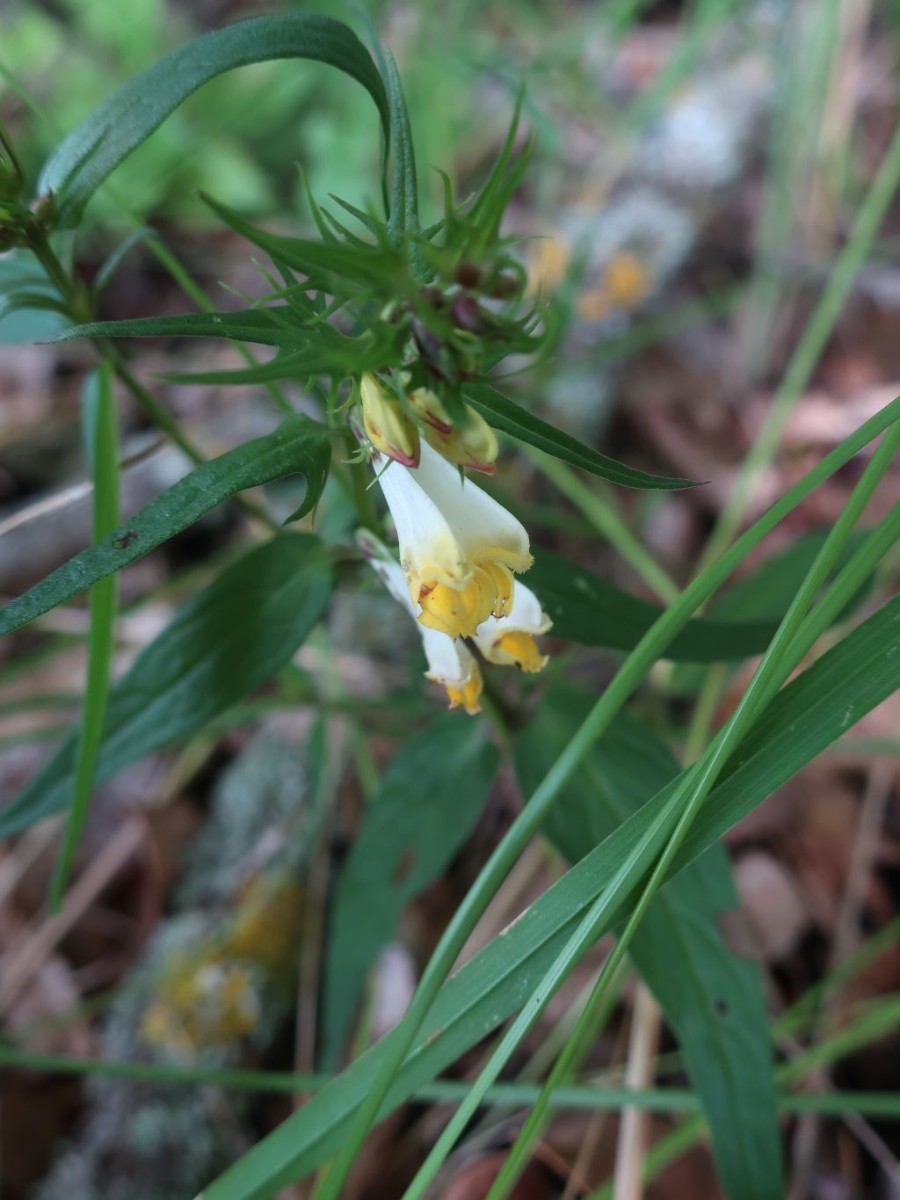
(404, 188)
(127, 118)
(101, 428)
(298, 447)
(266, 327)
(416, 823)
(507, 416)
(811, 712)
(766, 592)
(220, 645)
(318, 358)
(712, 1000)
(586, 608)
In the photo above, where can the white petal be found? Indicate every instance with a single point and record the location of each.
(391, 575)
(428, 548)
(449, 661)
(483, 528)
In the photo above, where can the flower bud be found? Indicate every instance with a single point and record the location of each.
(429, 408)
(388, 427)
(471, 445)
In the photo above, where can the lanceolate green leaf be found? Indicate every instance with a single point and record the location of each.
(712, 1000)
(404, 197)
(303, 352)
(814, 710)
(264, 326)
(414, 826)
(507, 416)
(298, 447)
(225, 641)
(586, 608)
(127, 118)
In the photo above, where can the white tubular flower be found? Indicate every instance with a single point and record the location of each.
(450, 663)
(458, 547)
(509, 640)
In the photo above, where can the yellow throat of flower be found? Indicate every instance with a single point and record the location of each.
(459, 611)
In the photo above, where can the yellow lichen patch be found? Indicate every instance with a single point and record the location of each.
(458, 612)
(201, 1006)
(267, 926)
(211, 996)
(467, 695)
(518, 649)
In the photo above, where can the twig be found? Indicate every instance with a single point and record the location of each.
(631, 1148)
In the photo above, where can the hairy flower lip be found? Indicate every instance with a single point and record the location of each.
(509, 640)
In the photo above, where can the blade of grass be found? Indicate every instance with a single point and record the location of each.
(102, 441)
(580, 1098)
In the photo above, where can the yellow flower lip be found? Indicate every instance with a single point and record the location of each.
(518, 649)
(509, 640)
(469, 694)
(458, 612)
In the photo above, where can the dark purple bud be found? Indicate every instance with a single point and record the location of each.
(428, 343)
(468, 275)
(466, 314)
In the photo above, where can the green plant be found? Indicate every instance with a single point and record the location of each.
(398, 334)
